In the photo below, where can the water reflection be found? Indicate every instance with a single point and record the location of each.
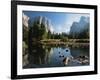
(55, 56)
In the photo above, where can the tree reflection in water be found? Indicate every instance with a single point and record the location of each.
(38, 55)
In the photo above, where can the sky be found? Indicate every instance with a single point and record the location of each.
(61, 21)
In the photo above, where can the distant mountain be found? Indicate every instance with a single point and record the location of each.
(79, 27)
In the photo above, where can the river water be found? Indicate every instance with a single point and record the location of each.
(42, 56)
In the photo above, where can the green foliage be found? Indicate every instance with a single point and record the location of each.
(25, 34)
(49, 35)
(38, 31)
(64, 39)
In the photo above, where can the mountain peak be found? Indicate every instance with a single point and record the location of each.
(78, 27)
(84, 19)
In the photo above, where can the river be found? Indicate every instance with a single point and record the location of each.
(41, 56)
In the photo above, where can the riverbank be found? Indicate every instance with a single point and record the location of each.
(83, 43)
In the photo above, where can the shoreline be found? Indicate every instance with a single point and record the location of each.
(72, 43)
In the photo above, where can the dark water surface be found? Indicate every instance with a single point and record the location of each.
(55, 56)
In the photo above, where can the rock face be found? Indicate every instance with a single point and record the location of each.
(78, 27)
(42, 20)
(25, 20)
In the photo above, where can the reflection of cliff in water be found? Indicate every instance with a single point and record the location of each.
(38, 55)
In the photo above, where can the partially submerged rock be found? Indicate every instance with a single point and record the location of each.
(83, 60)
(66, 60)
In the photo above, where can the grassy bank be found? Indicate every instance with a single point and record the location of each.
(69, 42)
